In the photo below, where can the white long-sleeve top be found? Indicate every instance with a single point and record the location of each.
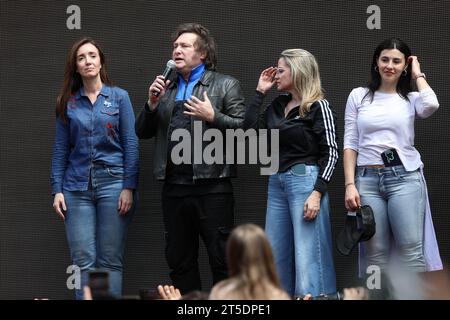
(386, 122)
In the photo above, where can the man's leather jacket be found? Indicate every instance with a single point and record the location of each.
(227, 99)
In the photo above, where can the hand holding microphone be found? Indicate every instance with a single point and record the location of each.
(169, 67)
(159, 85)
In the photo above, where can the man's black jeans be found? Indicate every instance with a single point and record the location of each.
(210, 216)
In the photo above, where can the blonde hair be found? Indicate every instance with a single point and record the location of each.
(305, 77)
(251, 263)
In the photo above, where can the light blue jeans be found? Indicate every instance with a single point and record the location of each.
(95, 231)
(397, 198)
(302, 249)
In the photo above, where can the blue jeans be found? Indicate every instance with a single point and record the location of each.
(397, 198)
(95, 231)
(302, 249)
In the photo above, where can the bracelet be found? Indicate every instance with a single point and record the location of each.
(421, 75)
(349, 184)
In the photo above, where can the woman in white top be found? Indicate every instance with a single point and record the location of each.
(379, 141)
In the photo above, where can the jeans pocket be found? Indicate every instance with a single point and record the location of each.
(413, 176)
(298, 170)
(110, 111)
(115, 172)
(360, 172)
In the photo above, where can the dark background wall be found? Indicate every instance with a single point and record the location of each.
(34, 40)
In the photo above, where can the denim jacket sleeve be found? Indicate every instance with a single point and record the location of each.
(129, 143)
(61, 150)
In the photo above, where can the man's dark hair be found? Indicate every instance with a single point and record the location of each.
(205, 42)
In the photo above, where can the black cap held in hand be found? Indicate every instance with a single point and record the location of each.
(357, 228)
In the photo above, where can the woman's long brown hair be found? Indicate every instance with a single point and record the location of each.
(72, 79)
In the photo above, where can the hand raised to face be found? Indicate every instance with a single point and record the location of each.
(266, 79)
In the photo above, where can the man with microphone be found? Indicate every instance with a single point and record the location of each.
(197, 198)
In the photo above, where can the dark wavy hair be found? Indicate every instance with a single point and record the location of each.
(72, 79)
(404, 82)
(205, 42)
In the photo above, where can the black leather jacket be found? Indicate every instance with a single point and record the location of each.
(227, 100)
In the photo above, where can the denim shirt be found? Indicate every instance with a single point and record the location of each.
(102, 133)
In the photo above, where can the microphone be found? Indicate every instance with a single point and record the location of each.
(169, 67)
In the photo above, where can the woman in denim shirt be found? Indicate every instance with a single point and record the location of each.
(94, 165)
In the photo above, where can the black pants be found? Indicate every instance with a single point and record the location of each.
(210, 216)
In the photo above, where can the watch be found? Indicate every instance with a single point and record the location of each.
(421, 75)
